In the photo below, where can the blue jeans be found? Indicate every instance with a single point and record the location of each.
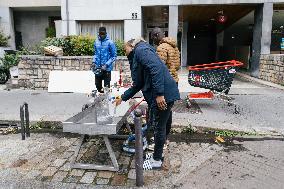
(161, 122)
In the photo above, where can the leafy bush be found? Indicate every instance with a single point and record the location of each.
(10, 60)
(120, 48)
(50, 32)
(67, 46)
(74, 45)
(3, 39)
(59, 42)
(82, 45)
(64, 43)
(26, 51)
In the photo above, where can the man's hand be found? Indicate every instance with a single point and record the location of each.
(161, 102)
(117, 101)
(104, 67)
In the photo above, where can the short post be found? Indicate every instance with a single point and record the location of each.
(22, 122)
(95, 115)
(138, 148)
(25, 120)
(27, 116)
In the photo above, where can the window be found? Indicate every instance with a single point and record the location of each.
(114, 28)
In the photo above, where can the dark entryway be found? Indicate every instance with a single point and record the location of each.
(217, 29)
(32, 25)
(201, 47)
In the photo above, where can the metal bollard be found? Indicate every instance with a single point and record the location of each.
(95, 115)
(22, 122)
(25, 121)
(138, 148)
(27, 116)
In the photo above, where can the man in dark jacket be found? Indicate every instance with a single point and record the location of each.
(105, 55)
(151, 76)
(169, 53)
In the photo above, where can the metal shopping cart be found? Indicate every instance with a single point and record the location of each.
(217, 77)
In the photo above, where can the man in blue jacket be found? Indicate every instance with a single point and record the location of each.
(151, 76)
(105, 55)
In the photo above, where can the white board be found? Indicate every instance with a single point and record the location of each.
(71, 81)
(75, 81)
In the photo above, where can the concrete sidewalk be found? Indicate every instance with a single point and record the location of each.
(42, 105)
(43, 161)
(53, 106)
(261, 107)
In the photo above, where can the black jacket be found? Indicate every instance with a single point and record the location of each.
(150, 75)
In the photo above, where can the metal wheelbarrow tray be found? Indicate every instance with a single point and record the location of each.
(88, 122)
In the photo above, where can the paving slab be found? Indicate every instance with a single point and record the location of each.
(20, 175)
(260, 108)
(254, 165)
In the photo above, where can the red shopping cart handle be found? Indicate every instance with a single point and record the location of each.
(215, 65)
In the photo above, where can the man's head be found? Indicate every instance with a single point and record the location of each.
(102, 33)
(129, 46)
(157, 35)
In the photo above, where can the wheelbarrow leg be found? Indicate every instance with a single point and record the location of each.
(75, 165)
(111, 153)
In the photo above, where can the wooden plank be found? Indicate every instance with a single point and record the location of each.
(71, 81)
(75, 81)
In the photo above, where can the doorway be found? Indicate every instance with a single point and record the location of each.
(215, 30)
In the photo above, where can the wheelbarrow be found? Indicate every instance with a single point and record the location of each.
(96, 119)
(217, 77)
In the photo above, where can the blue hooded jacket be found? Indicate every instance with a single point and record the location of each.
(105, 53)
(150, 75)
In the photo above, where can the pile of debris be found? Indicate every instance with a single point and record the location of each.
(53, 51)
(6, 129)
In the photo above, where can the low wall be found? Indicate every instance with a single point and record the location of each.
(34, 70)
(272, 68)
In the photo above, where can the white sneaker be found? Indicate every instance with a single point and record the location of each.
(152, 164)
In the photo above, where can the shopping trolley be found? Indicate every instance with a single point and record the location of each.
(217, 77)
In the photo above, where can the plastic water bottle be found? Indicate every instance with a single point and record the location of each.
(112, 96)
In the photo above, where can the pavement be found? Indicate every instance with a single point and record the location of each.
(43, 161)
(43, 106)
(249, 164)
(260, 107)
(191, 160)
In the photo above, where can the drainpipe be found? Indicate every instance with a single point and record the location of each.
(67, 16)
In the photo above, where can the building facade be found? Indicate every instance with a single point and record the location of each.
(206, 31)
